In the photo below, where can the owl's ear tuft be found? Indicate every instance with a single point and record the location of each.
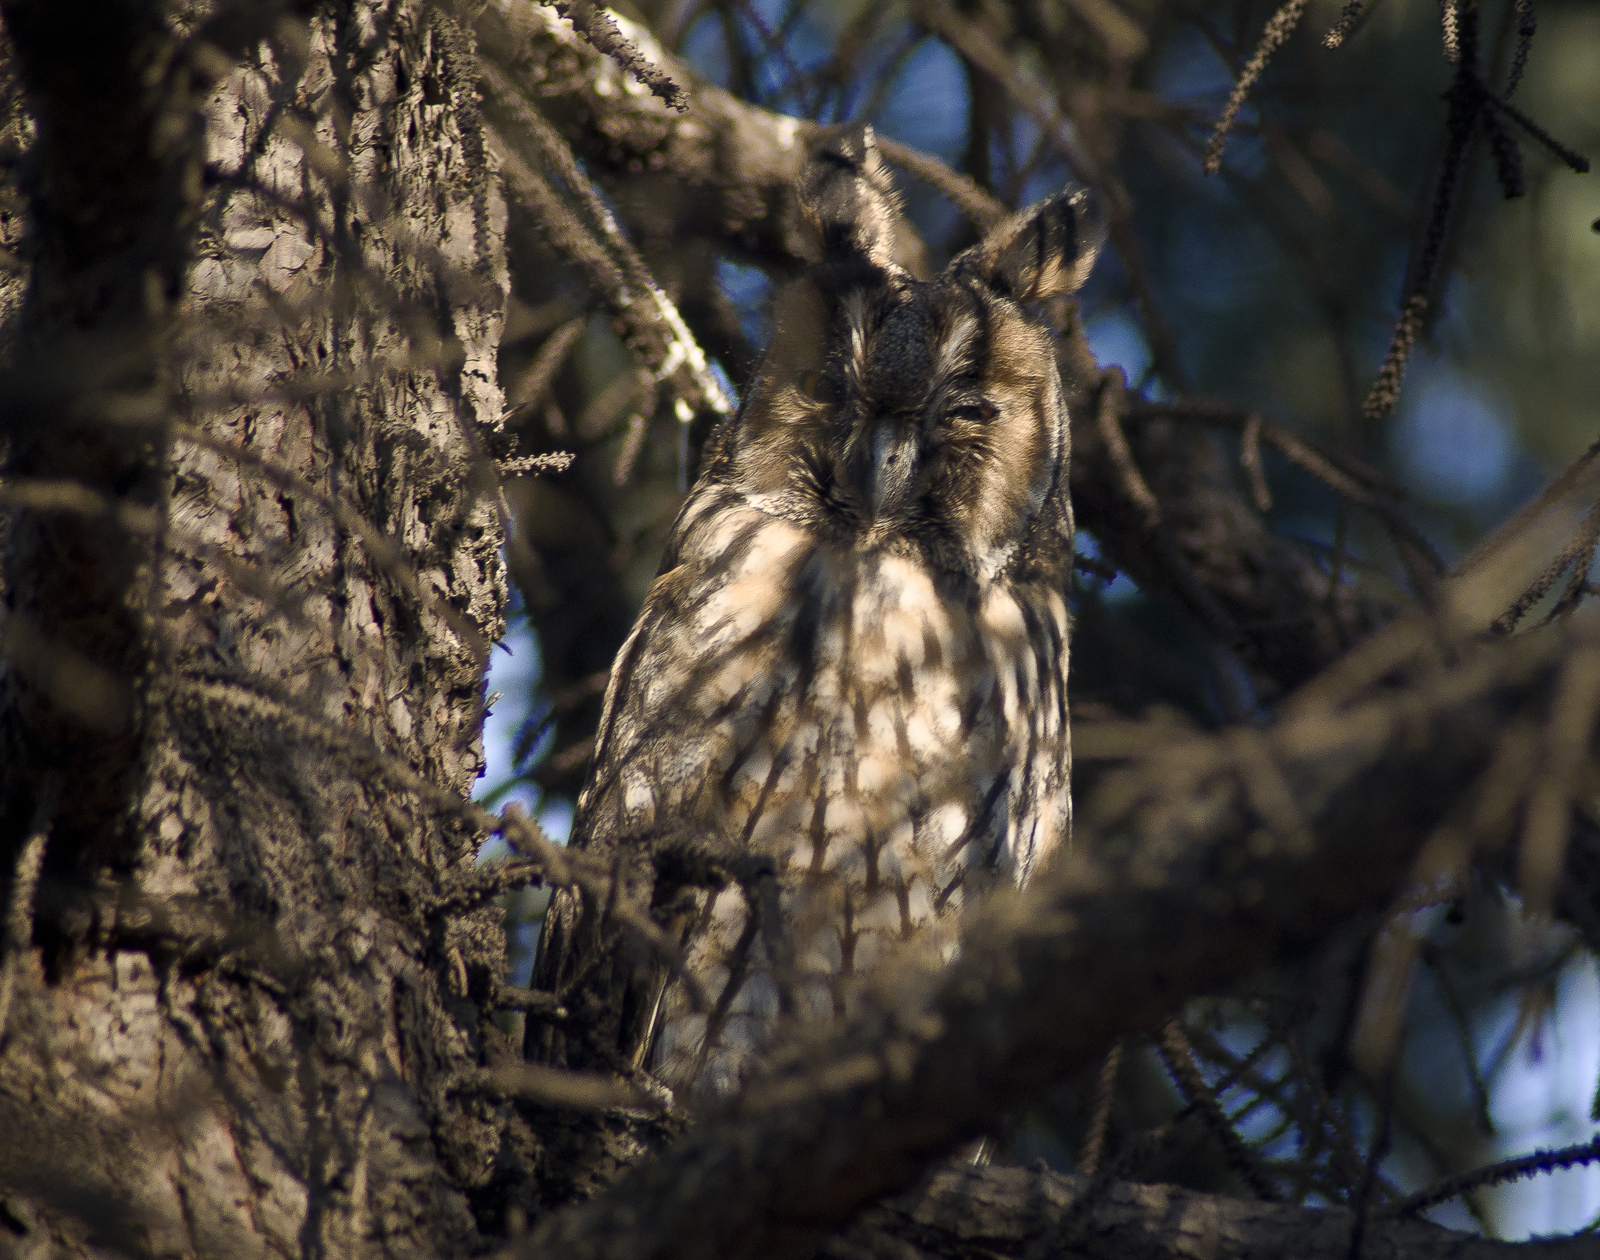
(1041, 252)
(847, 198)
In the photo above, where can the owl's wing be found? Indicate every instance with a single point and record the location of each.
(678, 707)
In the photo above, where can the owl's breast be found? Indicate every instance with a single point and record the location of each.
(851, 712)
(893, 738)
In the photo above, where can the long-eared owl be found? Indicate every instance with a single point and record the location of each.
(842, 711)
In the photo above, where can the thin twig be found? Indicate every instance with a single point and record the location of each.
(1536, 1164)
(600, 29)
(1503, 535)
(1100, 1120)
(1450, 28)
(632, 444)
(1580, 545)
(1434, 962)
(1278, 29)
(1111, 406)
(1376, 1153)
(656, 331)
(1344, 1160)
(522, 465)
(1527, 25)
(1564, 768)
(530, 388)
(1352, 13)
(1337, 553)
(1571, 157)
(1471, 103)
(24, 884)
(481, 884)
(983, 210)
(1350, 479)
(1250, 457)
(509, 997)
(1577, 586)
(1178, 1055)
(1062, 130)
(1386, 389)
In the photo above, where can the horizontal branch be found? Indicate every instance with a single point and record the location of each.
(980, 1213)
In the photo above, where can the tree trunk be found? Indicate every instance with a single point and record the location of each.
(249, 599)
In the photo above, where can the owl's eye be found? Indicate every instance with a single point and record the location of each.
(980, 412)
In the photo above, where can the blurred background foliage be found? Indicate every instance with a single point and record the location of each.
(1273, 285)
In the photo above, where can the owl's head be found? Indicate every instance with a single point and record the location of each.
(891, 412)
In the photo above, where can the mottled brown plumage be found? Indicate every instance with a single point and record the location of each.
(842, 712)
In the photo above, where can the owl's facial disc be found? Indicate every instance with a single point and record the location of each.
(890, 411)
(888, 373)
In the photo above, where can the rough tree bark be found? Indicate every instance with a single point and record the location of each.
(246, 643)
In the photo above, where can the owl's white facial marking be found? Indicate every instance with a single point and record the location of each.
(854, 312)
(955, 350)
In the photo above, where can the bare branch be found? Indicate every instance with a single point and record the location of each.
(975, 1213)
(18, 925)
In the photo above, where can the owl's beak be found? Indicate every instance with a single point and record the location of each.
(893, 469)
